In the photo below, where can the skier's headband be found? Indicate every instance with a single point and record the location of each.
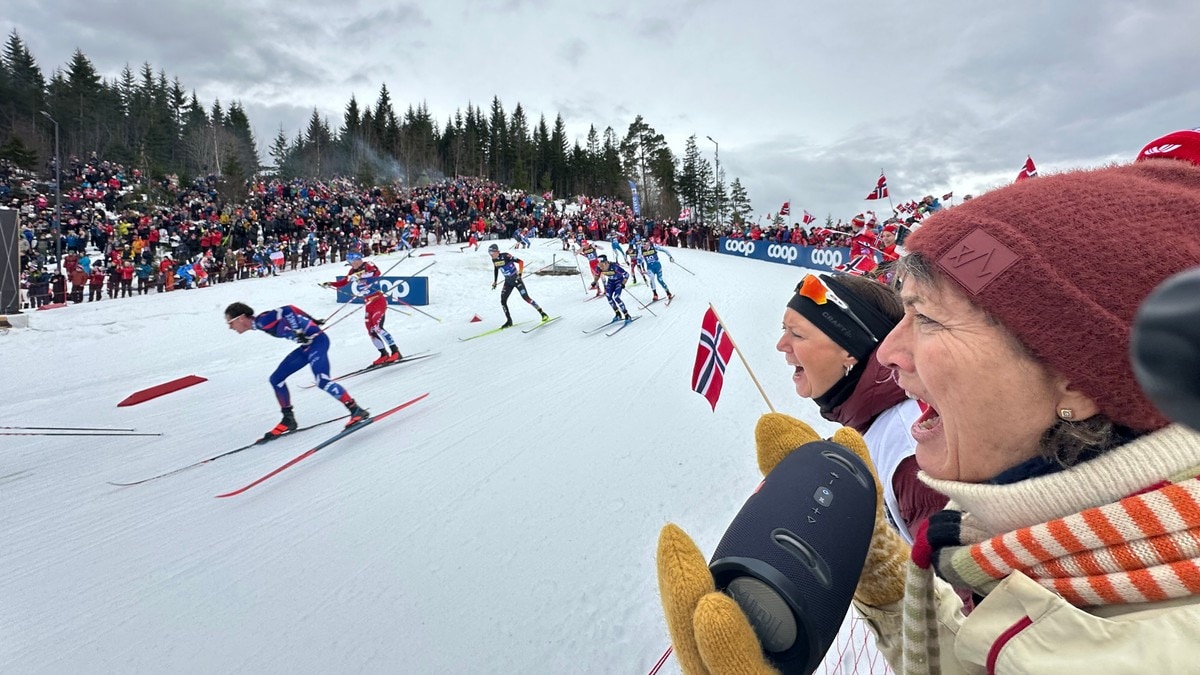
(838, 313)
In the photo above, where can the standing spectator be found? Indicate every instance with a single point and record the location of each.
(78, 280)
(126, 275)
(95, 284)
(59, 284)
(143, 272)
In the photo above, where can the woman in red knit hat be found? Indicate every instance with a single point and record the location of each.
(1074, 512)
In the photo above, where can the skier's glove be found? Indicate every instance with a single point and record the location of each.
(709, 631)
(319, 322)
(493, 285)
(326, 284)
(303, 338)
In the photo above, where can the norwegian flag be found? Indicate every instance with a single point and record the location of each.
(711, 358)
(809, 218)
(948, 195)
(859, 265)
(786, 209)
(686, 213)
(880, 191)
(1027, 171)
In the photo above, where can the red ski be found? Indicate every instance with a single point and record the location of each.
(329, 441)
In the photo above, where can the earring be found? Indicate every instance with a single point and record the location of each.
(1066, 414)
(848, 369)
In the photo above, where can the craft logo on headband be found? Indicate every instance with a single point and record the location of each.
(808, 257)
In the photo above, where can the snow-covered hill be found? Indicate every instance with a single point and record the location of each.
(506, 524)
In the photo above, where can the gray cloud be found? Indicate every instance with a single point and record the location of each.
(808, 101)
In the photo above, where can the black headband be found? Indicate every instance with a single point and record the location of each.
(835, 322)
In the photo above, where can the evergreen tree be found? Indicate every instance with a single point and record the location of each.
(739, 203)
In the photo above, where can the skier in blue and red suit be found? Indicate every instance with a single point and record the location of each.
(291, 323)
(614, 281)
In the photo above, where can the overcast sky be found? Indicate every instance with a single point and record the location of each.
(808, 100)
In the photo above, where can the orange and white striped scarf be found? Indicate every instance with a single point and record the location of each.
(1143, 548)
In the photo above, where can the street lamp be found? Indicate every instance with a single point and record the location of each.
(57, 197)
(717, 176)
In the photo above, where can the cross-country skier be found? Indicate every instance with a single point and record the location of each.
(614, 276)
(363, 283)
(291, 323)
(512, 267)
(472, 240)
(587, 250)
(522, 237)
(648, 252)
(614, 240)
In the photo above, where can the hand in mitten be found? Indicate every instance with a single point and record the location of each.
(882, 579)
(709, 631)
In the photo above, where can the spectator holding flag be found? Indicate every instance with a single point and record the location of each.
(832, 327)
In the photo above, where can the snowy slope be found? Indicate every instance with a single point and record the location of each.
(506, 524)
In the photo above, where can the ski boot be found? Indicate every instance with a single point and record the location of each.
(507, 324)
(394, 356)
(655, 297)
(545, 316)
(357, 413)
(627, 317)
(285, 426)
(382, 359)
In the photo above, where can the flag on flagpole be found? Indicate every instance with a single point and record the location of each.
(686, 213)
(880, 191)
(948, 195)
(808, 218)
(1027, 171)
(708, 375)
(786, 209)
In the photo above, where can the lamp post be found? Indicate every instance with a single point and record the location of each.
(717, 176)
(57, 197)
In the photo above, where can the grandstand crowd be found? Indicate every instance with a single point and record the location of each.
(116, 242)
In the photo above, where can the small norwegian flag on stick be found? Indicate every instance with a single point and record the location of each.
(712, 357)
(786, 209)
(880, 191)
(1027, 171)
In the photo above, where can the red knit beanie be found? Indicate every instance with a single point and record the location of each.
(1063, 261)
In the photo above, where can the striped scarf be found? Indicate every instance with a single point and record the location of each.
(1143, 548)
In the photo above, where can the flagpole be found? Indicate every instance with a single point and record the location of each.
(893, 207)
(741, 356)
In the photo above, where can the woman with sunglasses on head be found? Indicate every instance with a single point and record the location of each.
(1074, 512)
(831, 329)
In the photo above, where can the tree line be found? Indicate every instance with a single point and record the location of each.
(146, 121)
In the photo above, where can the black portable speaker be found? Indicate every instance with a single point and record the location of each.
(792, 556)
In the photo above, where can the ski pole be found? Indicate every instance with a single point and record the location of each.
(73, 433)
(418, 309)
(397, 309)
(581, 279)
(326, 326)
(639, 301)
(682, 267)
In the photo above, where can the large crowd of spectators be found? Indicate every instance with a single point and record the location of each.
(122, 234)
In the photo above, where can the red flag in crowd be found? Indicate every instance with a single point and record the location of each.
(808, 218)
(786, 209)
(880, 191)
(1027, 171)
(686, 213)
(711, 358)
(948, 195)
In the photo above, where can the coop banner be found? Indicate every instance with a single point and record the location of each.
(398, 290)
(811, 257)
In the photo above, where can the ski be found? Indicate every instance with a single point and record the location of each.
(119, 434)
(492, 331)
(622, 326)
(323, 444)
(413, 357)
(543, 323)
(600, 328)
(72, 428)
(598, 295)
(226, 454)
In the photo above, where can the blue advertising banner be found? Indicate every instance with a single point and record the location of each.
(412, 290)
(812, 257)
(637, 202)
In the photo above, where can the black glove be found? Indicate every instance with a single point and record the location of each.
(319, 322)
(303, 338)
